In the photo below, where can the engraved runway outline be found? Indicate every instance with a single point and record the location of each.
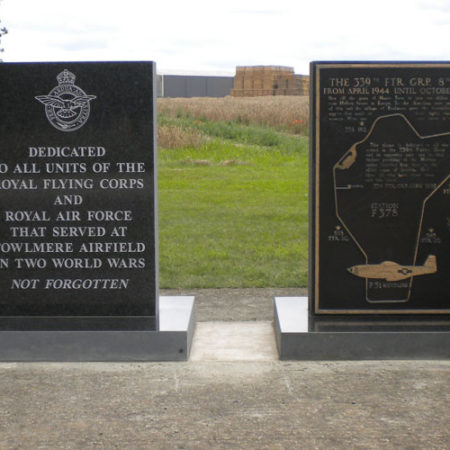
(347, 160)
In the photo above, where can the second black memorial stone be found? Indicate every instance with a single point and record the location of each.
(380, 188)
(77, 190)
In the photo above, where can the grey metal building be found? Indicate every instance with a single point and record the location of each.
(194, 86)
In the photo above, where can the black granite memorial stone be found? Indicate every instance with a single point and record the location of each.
(77, 190)
(380, 189)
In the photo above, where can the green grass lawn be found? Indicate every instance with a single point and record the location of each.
(233, 212)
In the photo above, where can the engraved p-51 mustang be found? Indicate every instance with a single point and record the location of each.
(391, 271)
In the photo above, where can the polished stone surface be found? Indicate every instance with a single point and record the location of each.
(302, 337)
(77, 180)
(129, 341)
(379, 188)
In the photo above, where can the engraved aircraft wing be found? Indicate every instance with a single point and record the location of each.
(81, 100)
(50, 100)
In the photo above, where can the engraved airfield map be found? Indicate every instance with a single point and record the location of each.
(381, 188)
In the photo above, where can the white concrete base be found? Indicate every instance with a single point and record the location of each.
(175, 312)
(292, 314)
(234, 341)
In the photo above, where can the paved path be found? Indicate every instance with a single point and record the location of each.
(235, 304)
(215, 402)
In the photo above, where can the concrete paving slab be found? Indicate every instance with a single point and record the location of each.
(225, 405)
(234, 341)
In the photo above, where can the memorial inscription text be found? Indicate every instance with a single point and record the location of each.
(77, 190)
(57, 249)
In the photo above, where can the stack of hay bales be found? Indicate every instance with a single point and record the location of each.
(303, 84)
(253, 81)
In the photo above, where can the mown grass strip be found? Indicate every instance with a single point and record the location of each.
(233, 215)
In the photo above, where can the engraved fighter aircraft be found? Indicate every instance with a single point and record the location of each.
(391, 271)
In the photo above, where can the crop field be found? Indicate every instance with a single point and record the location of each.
(283, 113)
(232, 192)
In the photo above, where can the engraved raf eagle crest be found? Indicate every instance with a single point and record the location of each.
(67, 107)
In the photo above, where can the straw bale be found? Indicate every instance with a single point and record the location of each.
(258, 81)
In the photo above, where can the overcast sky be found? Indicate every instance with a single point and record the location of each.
(204, 36)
